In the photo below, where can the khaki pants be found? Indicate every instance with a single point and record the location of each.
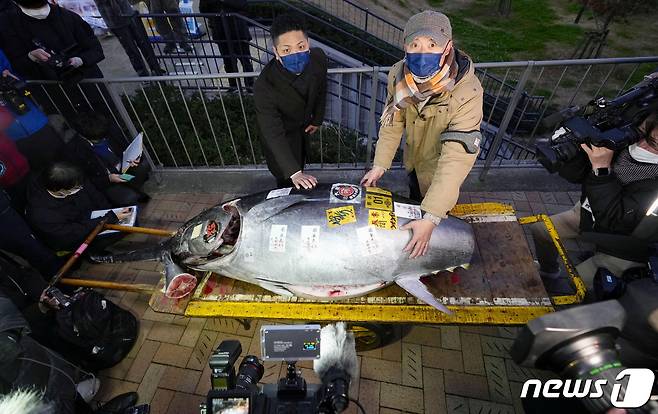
(567, 225)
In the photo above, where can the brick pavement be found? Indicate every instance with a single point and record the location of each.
(426, 369)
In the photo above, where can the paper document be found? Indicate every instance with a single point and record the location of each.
(131, 153)
(130, 221)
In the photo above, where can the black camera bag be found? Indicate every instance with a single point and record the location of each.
(100, 332)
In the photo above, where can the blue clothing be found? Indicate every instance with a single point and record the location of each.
(28, 123)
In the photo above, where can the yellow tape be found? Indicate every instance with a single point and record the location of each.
(340, 215)
(379, 202)
(378, 190)
(482, 209)
(571, 269)
(382, 219)
(404, 313)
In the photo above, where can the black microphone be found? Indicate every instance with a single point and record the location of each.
(337, 365)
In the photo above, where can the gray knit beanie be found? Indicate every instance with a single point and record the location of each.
(428, 23)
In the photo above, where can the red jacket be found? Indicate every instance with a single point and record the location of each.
(13, 165)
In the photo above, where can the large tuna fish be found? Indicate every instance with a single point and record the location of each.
(332, 242)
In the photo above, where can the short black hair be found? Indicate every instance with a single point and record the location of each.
(91, 124)
(285, 23)
(31, 4)
(61, 175)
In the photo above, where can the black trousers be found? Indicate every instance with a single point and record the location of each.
(172, 29)
(232, 51)
(414, 187)
(130, 193)
(17, 238)
(133, 39)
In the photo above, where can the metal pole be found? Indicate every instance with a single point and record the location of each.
(371, 115)
(101, 284)
(498, 139)
(76, 255)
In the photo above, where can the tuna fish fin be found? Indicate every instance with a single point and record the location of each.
(273, 206)
(149, 253)
(413, 285)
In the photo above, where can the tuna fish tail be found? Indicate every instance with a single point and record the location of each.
(149, 253)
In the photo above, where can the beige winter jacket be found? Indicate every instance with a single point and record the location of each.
(437, 138)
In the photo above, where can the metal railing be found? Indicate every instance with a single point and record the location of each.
(362, 18)
(191, 122)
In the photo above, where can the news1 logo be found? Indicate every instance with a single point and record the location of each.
(636, 393)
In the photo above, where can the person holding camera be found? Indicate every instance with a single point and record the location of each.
(618, 189)
(435, 99)
(36, 35)
(290, 96)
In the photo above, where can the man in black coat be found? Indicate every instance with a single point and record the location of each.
(290, 97)
(231, 34)
(618, 189)
(36, 34)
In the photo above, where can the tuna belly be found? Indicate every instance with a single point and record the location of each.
(334, 292)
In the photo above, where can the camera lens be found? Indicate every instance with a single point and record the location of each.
(250, 372)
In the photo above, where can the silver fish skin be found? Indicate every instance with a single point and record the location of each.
(273, 246)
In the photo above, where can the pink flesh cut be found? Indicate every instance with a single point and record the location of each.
(181, 286)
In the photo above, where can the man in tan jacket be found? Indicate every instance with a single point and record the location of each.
(435, 100)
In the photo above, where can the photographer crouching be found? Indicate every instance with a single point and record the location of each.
(618, 187)
(610, 147)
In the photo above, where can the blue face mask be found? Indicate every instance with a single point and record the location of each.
(296, 62)
(423, 64)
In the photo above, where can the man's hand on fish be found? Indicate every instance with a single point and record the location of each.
(372, 176)
(421, 233)
(307, 181)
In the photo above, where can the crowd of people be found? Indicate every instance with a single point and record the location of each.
(53, 179)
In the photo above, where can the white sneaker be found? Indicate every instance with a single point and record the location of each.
(88, 388)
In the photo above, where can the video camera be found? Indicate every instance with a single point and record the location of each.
(592, 353)
(602, 123)
(239, 393)
(58, 62)
(13, 93)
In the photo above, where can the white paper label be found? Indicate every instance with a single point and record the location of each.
(278, 238)
(368, 241)
(410, 211)
(279, 192)
(196, 231)
(310, 238)
(249, 255)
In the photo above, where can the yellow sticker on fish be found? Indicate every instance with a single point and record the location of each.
(340, 215)
(378, 190)
(379, 202)
(382, 219)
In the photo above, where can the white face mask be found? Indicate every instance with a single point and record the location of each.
(65, 193)
(642, 155)
(40, 13)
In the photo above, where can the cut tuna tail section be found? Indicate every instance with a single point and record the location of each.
(413, 285)
(149, 253)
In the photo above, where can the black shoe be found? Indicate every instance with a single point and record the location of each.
(186, 47)
(169, 50)
(118, 404)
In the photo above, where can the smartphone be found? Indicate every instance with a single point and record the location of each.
(126, 177)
